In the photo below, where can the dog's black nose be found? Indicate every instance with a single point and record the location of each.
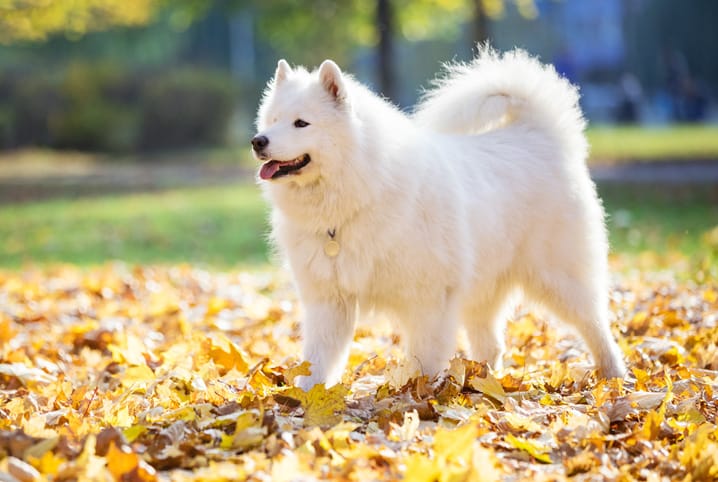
(259, 142)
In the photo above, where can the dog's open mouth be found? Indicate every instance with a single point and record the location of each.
(273, 169)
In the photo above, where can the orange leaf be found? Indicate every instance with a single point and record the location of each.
(121, 461)
(227, 355)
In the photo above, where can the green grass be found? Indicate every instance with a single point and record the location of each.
(632, 143)
(660, 225)
(225, 227)
(218, 226)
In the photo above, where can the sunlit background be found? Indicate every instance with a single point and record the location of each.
(124, 124)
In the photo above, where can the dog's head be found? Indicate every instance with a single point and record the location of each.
(303, 123)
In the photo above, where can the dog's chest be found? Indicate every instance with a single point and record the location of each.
(357, 272)
(342, 265)
(367, 267)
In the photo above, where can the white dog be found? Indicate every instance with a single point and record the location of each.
(437, 218)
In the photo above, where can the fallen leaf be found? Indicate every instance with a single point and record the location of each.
(124, 464)
(227, 355)
(322, 406)
(534, 448)
(26, 375)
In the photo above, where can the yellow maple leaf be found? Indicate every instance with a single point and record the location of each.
(48, 464)
(120, 461)
(420, 468)
(322, 406)
(652, 423)
(456, 444)
(303, 369)
(124, 464)
(260, 382)
(120, 418)
(642, 377)
(227, 355)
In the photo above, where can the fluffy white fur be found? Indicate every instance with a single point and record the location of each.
(440, 216)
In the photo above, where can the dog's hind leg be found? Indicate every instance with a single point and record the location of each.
(484, 324)
(328, 330)
(583, 304)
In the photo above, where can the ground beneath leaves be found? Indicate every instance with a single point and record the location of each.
(175, 373)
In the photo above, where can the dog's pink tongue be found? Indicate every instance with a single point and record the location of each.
(269, 169)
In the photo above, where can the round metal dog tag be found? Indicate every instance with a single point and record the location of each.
(331, 249)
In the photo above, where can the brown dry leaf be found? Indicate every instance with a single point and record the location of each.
(581, 463)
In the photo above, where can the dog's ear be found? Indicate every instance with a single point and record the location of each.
(332, 80)
(282, 72)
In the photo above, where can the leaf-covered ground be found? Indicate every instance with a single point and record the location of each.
(175, 373)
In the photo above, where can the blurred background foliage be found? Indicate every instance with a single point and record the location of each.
(102, 107)
(35, 20)
(114, 75)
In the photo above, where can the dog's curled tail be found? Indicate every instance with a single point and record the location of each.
(495, 89)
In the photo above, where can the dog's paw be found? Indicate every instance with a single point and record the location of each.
(304, 383)
(615, 368)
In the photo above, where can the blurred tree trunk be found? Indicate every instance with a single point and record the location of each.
(385, 26)
(479, 23)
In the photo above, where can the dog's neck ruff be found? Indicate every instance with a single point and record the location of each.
(332, 248)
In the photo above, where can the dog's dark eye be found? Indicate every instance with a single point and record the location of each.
(300, 123)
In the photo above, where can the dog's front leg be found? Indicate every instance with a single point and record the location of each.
(328, 329)
(430, 333)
